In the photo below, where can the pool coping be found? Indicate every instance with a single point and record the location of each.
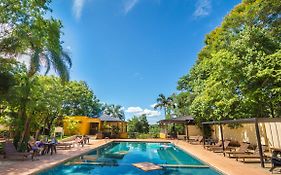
(216, 162)
(128, 140)
(196, 157)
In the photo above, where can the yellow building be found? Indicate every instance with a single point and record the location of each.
(104, 125)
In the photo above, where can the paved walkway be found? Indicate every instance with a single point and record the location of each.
(218, 161)
(223, 164)
(28, 167)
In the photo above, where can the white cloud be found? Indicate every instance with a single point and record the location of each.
(153, 105)
(77, 8)
(129, 5)
(134, 110)
(151, 113)
(139, 111)
(203, 8)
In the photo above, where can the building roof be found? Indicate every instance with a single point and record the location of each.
(184, 119)
(243, 120)
(107, 118)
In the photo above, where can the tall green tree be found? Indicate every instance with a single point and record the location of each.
(182, 102)
(166, 103)
(26, 32)
(49, 101)
(138, 124)
(79, 99)
(237, 73)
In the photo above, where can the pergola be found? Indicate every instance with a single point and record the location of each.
(186, 120)
(255, 121)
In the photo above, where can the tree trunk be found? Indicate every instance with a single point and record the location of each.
(25, 135)
(44, 126)
(37, 134)
(22, 144)
(50, 125)
(271, 108)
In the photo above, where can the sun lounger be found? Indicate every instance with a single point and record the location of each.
(198, 141)
(192, 138)
(11, 152)
(243, 149)
(254, 155)
(219, 144)
(181, 137)
(220, 148)
(65, 145)
(2, 138)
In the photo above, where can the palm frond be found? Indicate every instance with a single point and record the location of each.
(159, 105)
(34, 62)
(66, 58)
(169, 99)
(59, 66)
(48, 63)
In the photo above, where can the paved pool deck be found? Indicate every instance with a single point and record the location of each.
(218, 161)
(18, 167)
(223, 164)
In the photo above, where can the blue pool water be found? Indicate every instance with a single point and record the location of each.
(117, 158)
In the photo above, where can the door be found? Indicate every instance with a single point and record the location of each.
(94, 128)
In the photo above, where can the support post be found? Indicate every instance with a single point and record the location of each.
(259, 142)
(165, 127)
(222, 139)
(186, 131)
(203, 131)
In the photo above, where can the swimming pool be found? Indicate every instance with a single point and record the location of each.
(116, 158)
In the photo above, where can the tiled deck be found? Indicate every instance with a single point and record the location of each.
(223, 164)
(28, 167)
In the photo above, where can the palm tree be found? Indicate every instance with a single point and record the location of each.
(25, 32)
(58, 59)
(39, 40)
(35, 38)
(165, 103)
(114, 111)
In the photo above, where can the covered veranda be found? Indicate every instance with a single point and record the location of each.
(190, 129)
(270, 129)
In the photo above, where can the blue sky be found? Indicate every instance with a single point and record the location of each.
(130, 51)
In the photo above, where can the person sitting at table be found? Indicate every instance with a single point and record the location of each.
(79, 140)
(36, 147)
